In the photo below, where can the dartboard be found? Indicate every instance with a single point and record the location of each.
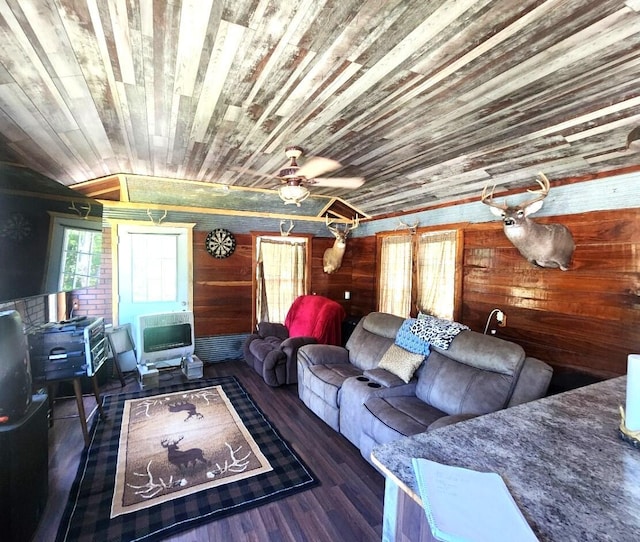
(16, 227)
(220, 243)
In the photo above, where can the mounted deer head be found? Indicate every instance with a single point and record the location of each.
(544, 245)
(404, 226)
(332, 259)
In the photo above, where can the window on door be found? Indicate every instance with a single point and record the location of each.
(153, 266)
(418, 273)
(281, 274)
(154, 259)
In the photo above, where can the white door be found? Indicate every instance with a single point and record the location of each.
(154, 270)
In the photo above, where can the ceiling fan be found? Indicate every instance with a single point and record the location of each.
(295, 179)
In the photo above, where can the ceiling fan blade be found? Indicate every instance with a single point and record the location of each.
(337, 182)
(317, 165)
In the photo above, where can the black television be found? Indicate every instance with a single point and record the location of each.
(50, 235)
(15, 368)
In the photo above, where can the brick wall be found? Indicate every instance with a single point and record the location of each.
(33, 310)
(97, 301)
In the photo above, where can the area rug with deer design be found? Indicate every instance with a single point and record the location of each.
(166, 460)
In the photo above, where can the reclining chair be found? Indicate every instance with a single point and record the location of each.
(273, 349)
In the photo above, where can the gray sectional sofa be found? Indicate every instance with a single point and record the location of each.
(476, 374)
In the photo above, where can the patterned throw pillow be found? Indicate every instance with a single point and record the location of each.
(400, 362)
(409, 341)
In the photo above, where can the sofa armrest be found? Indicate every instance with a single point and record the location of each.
(291, 345)
(397, 388)
(533, 382)
(384, 378)
(272, 329)
(323, 354)
(449, 420)
(274, 368)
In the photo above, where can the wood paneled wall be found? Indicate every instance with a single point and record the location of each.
(584, 320)
(337, 283)
(222, 288)
(363, 274)
(356, 275)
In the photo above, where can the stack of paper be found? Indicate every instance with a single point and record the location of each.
(464, 505)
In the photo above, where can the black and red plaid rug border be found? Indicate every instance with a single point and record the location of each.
(86, 516)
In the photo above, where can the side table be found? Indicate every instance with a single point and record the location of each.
(77, 388)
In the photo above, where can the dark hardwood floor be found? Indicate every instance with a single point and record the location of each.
(347, 505)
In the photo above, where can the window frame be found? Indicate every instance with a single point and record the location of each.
(380, 241)
(59, 225)
(459, 256)
(255, 235)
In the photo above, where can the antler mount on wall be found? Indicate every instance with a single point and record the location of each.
(544, 245)
(332, 257)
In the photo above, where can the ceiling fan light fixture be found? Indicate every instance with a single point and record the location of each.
(293, 194)
(289, 172)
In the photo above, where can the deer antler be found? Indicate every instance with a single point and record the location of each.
(412, 228)
(337, 231)
(165, 442)
(545, 186)
(238, 464)
(328, 224)
(354, 224)
(487, 199)
(286, 233)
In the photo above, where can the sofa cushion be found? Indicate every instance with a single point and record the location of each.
(383, 324)
(389, 418)
(457, 388)
(325, 381)
(261, 348)
(400, 362)
(532, 383)
(485, 352)
(371, 338)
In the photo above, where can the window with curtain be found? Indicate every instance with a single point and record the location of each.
(436, 273)
(281, 269)
(418, 272)
(395, 275)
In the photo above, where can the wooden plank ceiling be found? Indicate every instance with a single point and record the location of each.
(426, 100)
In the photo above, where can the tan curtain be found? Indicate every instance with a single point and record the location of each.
(436, 273)
(395, 275)
(280, 276)
(262, 307)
